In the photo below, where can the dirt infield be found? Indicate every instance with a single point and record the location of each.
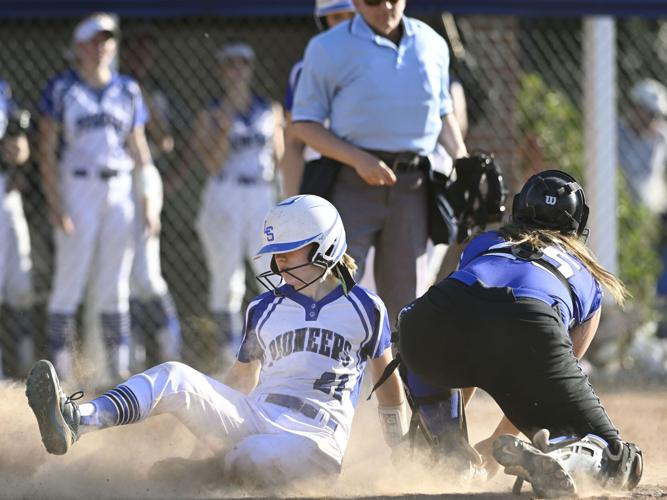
(114, 463)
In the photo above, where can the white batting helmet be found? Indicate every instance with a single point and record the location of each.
(324, 7)
(300, 221)
(651, 95)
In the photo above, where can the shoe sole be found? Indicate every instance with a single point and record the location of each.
(547, 476)
(44, 398)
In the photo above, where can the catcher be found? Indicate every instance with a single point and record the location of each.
(285, 410)
(522, 308)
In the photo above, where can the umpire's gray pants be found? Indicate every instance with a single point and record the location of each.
(394, 221)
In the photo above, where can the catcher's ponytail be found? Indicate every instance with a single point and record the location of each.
(538, 238)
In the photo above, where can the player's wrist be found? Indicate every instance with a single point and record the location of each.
(394, 422)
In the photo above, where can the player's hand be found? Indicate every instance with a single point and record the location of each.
(375, 172)
(224, 118)
(485, 449)
(62, 221)
(15, 150)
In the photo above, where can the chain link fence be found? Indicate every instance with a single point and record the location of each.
(523, 79)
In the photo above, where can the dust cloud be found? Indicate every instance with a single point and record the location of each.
(115, 463)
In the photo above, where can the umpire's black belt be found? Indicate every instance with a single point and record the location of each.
(104, 174)
(298, 404)
(402, 161)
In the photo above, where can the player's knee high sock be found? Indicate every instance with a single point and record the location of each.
(61, 331)
(172, 348)
(116, 334)
(119, 406)
(20, 322)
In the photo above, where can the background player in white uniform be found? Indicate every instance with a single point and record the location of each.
(93, 119)
(286, 407)
(156, 316)
(237, 140)
(156, 328)
(16, 292)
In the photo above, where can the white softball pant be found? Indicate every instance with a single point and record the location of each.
(99, 249)
(267, 442)
(230, 225)
(15, 261)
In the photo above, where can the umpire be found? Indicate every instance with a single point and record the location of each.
(382, 82)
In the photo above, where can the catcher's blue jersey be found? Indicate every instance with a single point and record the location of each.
(316, 350)
(95, 122)
(529, 279)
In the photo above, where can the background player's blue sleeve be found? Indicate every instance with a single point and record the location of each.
(141, 115)
(50, 103)
(293, 81)
(5, 96)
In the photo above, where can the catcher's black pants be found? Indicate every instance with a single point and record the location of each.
(516, 349)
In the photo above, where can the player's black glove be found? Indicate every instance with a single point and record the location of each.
(478, 194)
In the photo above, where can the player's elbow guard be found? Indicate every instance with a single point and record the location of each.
(395, 422)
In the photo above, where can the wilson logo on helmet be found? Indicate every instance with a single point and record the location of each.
(550, 200)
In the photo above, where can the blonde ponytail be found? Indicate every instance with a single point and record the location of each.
(539, 238)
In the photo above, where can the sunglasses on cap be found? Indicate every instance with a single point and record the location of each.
(375, 3)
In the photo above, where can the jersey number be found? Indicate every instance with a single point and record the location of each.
(564, 263)
(329, 384)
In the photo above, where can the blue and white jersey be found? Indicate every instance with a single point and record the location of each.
(316, 350)
(94, 122)
(294, 75)
(251, 142)
(5, 105)
(529, 279)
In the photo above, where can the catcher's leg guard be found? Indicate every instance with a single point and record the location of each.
(440, 415)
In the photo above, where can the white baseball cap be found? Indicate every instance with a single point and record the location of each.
(92, 25)
(237, 50)
(325, 7)
(651, 95)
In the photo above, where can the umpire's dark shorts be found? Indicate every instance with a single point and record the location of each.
(516, 349)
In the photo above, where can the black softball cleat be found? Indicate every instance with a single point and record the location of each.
(546, 474)
(57, 414)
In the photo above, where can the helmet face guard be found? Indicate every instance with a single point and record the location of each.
(552, 200)
(266, 281)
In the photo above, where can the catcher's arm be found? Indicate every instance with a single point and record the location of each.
(243, 377)
(582, 335)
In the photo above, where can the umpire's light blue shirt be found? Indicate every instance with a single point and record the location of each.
(377, 95)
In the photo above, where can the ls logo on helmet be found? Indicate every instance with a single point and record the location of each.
(268, 231)
(550, 200)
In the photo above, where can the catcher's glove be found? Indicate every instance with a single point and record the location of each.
(478, 194)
